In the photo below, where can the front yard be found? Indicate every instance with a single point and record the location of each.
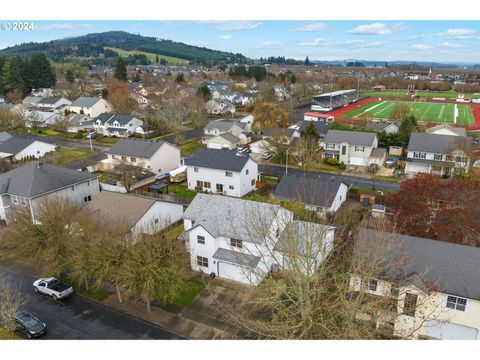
(66, 155)
(106, 140)
(194, 287)
(44, 131)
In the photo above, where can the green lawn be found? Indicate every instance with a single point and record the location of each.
(44, 131)
(74, 136)
(150, 56)
(423, 111)
(420, 93)
(181, 191)
(194, 287)
(66, 155)
(106, 140)
(270, 180)
(189, 147)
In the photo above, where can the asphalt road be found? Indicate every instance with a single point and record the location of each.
(356, 181)
(79, 318)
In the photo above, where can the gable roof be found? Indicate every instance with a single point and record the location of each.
(321, 127)
(15, 144)
(86, 101)
(34, 179)
(221, 159)
(110, 118)
(221, 125)
(104, 117)
(360, 138)
(456, 130)
(227, 216)
(311, 189)
(50, 100)
(435, 143)
(119, 209)
(378, 125)
(452, 268)
(32, 99)
(4, 136)
(140, 148)
(236, 257)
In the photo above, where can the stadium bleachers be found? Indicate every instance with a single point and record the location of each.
(333, 100)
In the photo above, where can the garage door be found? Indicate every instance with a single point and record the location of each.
(233, 272)
(357, 161)
(449, 331)
(417, 168)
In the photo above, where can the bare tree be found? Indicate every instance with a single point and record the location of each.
(10, 301)
(126, 174)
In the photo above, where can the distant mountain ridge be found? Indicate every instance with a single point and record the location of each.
(91, 45)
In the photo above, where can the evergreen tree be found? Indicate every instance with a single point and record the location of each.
(180, 78)
(307, 61)
(156, 59)
(40, 72)
(120, 70)
(204, 91)
(311, 132)
(12, 74)
(70, 76)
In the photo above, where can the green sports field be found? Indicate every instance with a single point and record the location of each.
(423, 111)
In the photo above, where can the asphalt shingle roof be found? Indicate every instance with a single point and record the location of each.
(321, 127)
(4, 136)
(221, 125)
(136, 147)
(86, 101)
(224, 159)
(359, 138)
(34, 179)
(441, 144)
(231, 217)
(311, 189)
(236, 257)
(452, 268)
(49, 100)
(15, 144)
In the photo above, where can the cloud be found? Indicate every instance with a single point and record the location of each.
(63, 26)
(234, 25)
(422, 47)
(460, 34)
(372, 29)
(314, 42)
(350, 43)
(448, 45)
(225, 37)
(311, 27)
(409, 37)
(269, 45)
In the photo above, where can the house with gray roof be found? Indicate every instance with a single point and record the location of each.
(110, 124)
(390, 127)
(219, 127)
(159, 157)
(79, 122)
(15, 148)
(350, 147)
(53, 103)
(27, 187)
(223, 141)
(436, 284)
(322, 193)
(90, 105)
(438, 154)
(221, 171)
(239, 239)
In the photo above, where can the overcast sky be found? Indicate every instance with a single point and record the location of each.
(439, 41)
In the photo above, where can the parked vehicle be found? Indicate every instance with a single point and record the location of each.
(53, 287)
(267, 156)
(29, 325)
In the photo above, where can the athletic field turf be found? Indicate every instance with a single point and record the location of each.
(459, 114)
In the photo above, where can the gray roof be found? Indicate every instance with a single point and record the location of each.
(32, 99)
(50, 100)
(458, 130)
(110, 118)
(278, 131)
(440, 144)
(4, 136)
(321, 127)
(378, 152)
(352, 137)
(223, 159)
(34, 179)
(15, 144)
(221, 125)
(236, 257)
(451, 268)
(86, 101)
(311, 189)
(231, 217)
(229, 137)
(77, 119)
(311, 236)
(136, 147)
(381, 125)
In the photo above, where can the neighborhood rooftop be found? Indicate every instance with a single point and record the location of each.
(442, 144)
(136, 147)
(352, 137)
(222, 159)
(34, 179)
(85, 101)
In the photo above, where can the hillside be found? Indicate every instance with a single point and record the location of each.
(92, 45)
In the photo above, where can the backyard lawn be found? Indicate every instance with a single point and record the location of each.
(189, 147)
(181, 191)
(66, 155)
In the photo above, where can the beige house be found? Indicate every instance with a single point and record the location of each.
(436, 285)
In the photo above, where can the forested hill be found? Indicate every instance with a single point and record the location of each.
(92, 45)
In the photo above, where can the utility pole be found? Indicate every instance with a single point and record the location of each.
(286, 164)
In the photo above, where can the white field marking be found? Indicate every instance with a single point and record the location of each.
(426, 111)
(440, 113)
(455, 114)
(373, 107)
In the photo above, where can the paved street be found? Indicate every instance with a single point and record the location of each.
(79, 318)
(356, 181)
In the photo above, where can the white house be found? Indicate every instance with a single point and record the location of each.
(91, 106)
(319, 192)
(109, 124)
(435, 285)
(78, 122)
(217, 106)
(244, 240)
(438, 154)
(133, 213)
(53, 103)
(350, 147)
(446, 129)
(223, 141)
(17, 148)
(159, 157)
(390, 127)
(219, 127)
(222, 171)
(26, 187)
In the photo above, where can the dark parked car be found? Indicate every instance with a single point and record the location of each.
(29, 325)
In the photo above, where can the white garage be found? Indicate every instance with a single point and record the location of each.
(449, 331)
(236, 266)
(360, 161)
(412, 168)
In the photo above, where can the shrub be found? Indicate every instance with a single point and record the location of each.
(342, 166)
(331, 161)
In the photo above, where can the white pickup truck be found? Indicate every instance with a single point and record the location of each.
(52, 287)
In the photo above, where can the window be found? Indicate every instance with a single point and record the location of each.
(370, 284)
(419, 155)
(199, 184)
(195, 169)
(360, 148)
(133, 159)
(329, 146)
(88, 183)
(156, 221)
(124, 158)
(231, 187)
(87, 199)
(456, 303)
(14, 199)
(410, 304)
(437, 157)
(246, 172)
(252, 182)
(202, 261)
(207, 184)
(113, 157)
(73, 187)
(200, 239)
(24, 201)
(228, 174)
(236, 243)
(344, 150)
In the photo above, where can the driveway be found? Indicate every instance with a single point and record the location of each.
(79, 318)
